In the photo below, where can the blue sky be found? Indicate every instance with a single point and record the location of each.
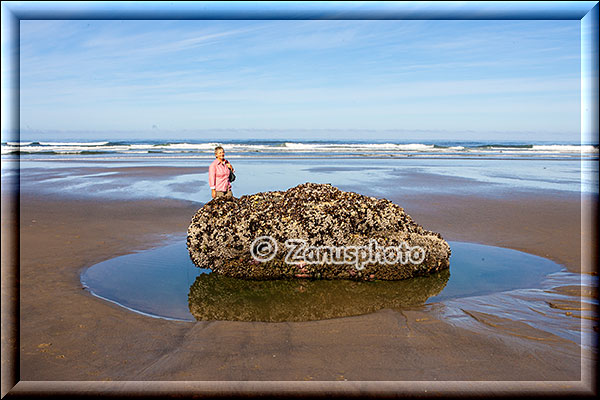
(432, 79)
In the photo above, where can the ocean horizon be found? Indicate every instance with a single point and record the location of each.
(300, 148)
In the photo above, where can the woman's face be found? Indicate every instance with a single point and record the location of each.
(220, 154)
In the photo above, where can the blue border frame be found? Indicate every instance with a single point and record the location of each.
(14, 12)
(301, 10)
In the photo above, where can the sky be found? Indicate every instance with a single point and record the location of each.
(455, 79)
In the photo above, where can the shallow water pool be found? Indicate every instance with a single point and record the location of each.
(163, 282)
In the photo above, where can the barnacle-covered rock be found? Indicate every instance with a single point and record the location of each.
(313, 231)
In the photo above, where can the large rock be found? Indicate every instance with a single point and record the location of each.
(224, 236)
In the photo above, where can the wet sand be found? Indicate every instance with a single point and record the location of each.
(65, 334)
(547, 224)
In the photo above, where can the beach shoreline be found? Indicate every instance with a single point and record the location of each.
(65, 333)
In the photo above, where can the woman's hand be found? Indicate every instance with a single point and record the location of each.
(213, 193)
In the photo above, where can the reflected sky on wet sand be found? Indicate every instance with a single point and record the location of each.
(187, 179)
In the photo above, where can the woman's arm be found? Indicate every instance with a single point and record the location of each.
(212, 180)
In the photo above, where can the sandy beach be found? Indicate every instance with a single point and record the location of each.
(63, 333)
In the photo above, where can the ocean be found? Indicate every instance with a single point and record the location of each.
(300, 148)
(376, 168)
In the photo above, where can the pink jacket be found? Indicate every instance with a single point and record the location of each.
(218, 176)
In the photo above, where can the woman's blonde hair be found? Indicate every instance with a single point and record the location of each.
(218, 148)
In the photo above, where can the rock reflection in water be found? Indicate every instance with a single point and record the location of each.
(217, 297)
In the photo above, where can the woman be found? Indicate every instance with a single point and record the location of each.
(218, 175)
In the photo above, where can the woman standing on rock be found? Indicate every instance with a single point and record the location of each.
(218, 175)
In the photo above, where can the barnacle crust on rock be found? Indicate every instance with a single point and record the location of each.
(221, 233)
